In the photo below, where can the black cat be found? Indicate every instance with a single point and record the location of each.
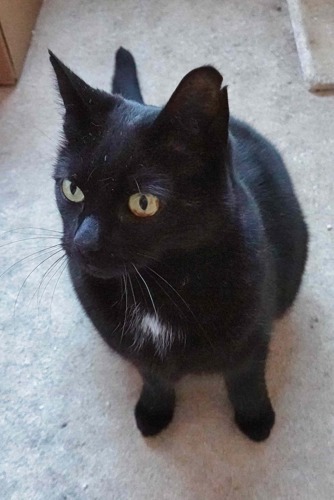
(184, 237)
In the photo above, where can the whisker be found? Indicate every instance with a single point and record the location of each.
(115, 303)
(30, 238)
(185, 303)
(43, 133)
(92, 171)
(28, 256)
(53, 265)
(154, 259)
(126, 303)
(41, 282)
(123, 291)
(16, 229)
(132, 291)
(170, 298)
(54, 290)
(140, 286)
(114, 330)
(148, 256)
(26, 279)
(174, 290)
(139, 191)
(147, 288)
(106, 179)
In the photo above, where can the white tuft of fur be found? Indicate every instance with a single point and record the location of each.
(151, 325)
(150, 328)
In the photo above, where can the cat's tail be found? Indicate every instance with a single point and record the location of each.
(125, 80)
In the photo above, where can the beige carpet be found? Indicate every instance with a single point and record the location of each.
(67, 427)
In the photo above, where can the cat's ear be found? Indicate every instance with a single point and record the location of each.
(83, 103)
(198, 106)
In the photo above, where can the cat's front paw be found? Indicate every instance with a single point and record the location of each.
(256, 428)
(151, 421)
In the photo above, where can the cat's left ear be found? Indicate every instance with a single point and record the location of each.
(82, 102)
(198, 107)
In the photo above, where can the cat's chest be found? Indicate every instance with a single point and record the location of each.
(150, 327)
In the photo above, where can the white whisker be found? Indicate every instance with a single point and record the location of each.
(26, 279)
(42, 280)
(185, 303)
(174, 290)
(54, 290)
(167, 294)
(59, 260)
(132, 291)
(147, 288)
(29, 228)
(43, 250)
(126, 303)
(30, 238)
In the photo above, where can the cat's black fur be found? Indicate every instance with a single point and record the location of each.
(222, 258)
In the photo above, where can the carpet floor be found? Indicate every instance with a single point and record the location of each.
(67, 426)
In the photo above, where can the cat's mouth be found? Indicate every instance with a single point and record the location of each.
(104, 273)
(106, 266)
(101, 268)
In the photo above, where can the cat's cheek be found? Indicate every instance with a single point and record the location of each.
(70, 213)
(70, 226)
(67, 242)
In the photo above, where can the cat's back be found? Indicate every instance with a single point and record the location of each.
(260, 169)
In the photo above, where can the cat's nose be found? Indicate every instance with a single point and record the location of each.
(86, 239)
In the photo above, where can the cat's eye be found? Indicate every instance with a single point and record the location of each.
(143, 205)
(72, 192)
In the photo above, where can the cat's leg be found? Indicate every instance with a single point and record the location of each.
(247, 391)
(155, 407)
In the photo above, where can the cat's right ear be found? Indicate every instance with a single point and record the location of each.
(83, 104)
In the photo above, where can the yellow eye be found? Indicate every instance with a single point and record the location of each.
(72, 192)
(143, 205)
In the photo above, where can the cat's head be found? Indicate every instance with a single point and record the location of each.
(136, 183)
